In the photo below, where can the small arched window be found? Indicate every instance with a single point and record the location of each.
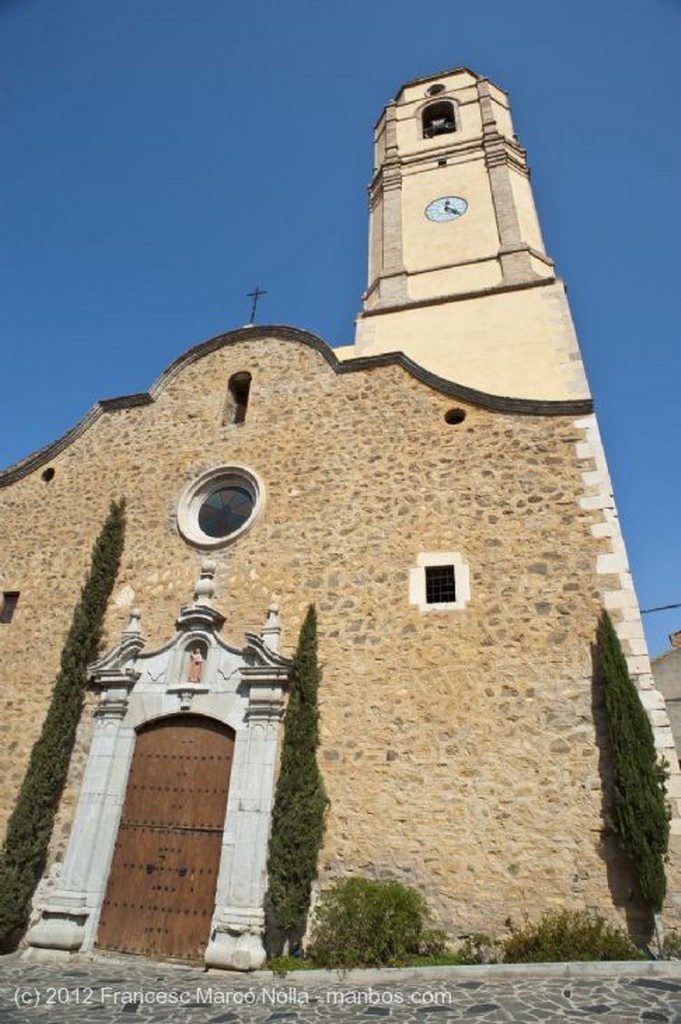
(237, 401)
(438, 119)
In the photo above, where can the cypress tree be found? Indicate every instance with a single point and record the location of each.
(300, 800)
(640, 815)
(24, 852)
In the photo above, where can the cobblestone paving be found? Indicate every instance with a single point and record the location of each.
(128, 990)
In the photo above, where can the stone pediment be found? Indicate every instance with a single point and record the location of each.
(355, 364)
(195, 661)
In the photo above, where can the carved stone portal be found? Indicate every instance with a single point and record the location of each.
(195, 673)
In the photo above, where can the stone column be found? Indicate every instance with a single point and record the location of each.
(236, 941)
(70, 915)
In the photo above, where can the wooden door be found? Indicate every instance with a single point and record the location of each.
(161, 893)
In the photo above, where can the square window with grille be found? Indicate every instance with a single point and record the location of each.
(440, 584)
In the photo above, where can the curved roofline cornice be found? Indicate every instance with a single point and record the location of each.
(494, 403)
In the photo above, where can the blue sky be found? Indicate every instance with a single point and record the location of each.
(161, 157)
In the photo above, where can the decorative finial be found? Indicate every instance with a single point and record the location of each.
(131, 643)
(205, 585)
(133, 625)
(271, 631)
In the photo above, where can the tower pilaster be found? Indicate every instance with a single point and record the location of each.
(389, 285)
(500, 155)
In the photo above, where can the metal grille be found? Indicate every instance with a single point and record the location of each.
(440, 585)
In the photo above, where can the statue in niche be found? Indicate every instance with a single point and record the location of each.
(195, 668)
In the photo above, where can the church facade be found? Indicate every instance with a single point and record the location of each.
(439, 492)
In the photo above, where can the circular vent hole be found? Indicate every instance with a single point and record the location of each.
(47, 474)
(453, 416)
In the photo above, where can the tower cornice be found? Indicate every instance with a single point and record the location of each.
(446, 74)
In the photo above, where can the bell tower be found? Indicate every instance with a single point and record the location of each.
(459, 279)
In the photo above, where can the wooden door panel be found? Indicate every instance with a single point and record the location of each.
(180, 778)
(161, 891)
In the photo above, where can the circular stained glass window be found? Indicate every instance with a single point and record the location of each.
(219, 506)
(225, 511)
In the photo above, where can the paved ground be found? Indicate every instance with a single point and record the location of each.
(128, 989)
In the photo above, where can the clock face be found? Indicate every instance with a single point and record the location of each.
(446, 208)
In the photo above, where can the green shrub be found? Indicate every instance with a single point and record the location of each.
(478, 948)
(671, 950)
(433, 943)
(24, 852)
(640, 815)
(568, 935)
(444, 959)
(361, 923)
(283, 965)
(300, 801)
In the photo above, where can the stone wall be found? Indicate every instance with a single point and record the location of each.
(461, 750)
(667, 673)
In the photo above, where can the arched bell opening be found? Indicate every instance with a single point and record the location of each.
(438, 119)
